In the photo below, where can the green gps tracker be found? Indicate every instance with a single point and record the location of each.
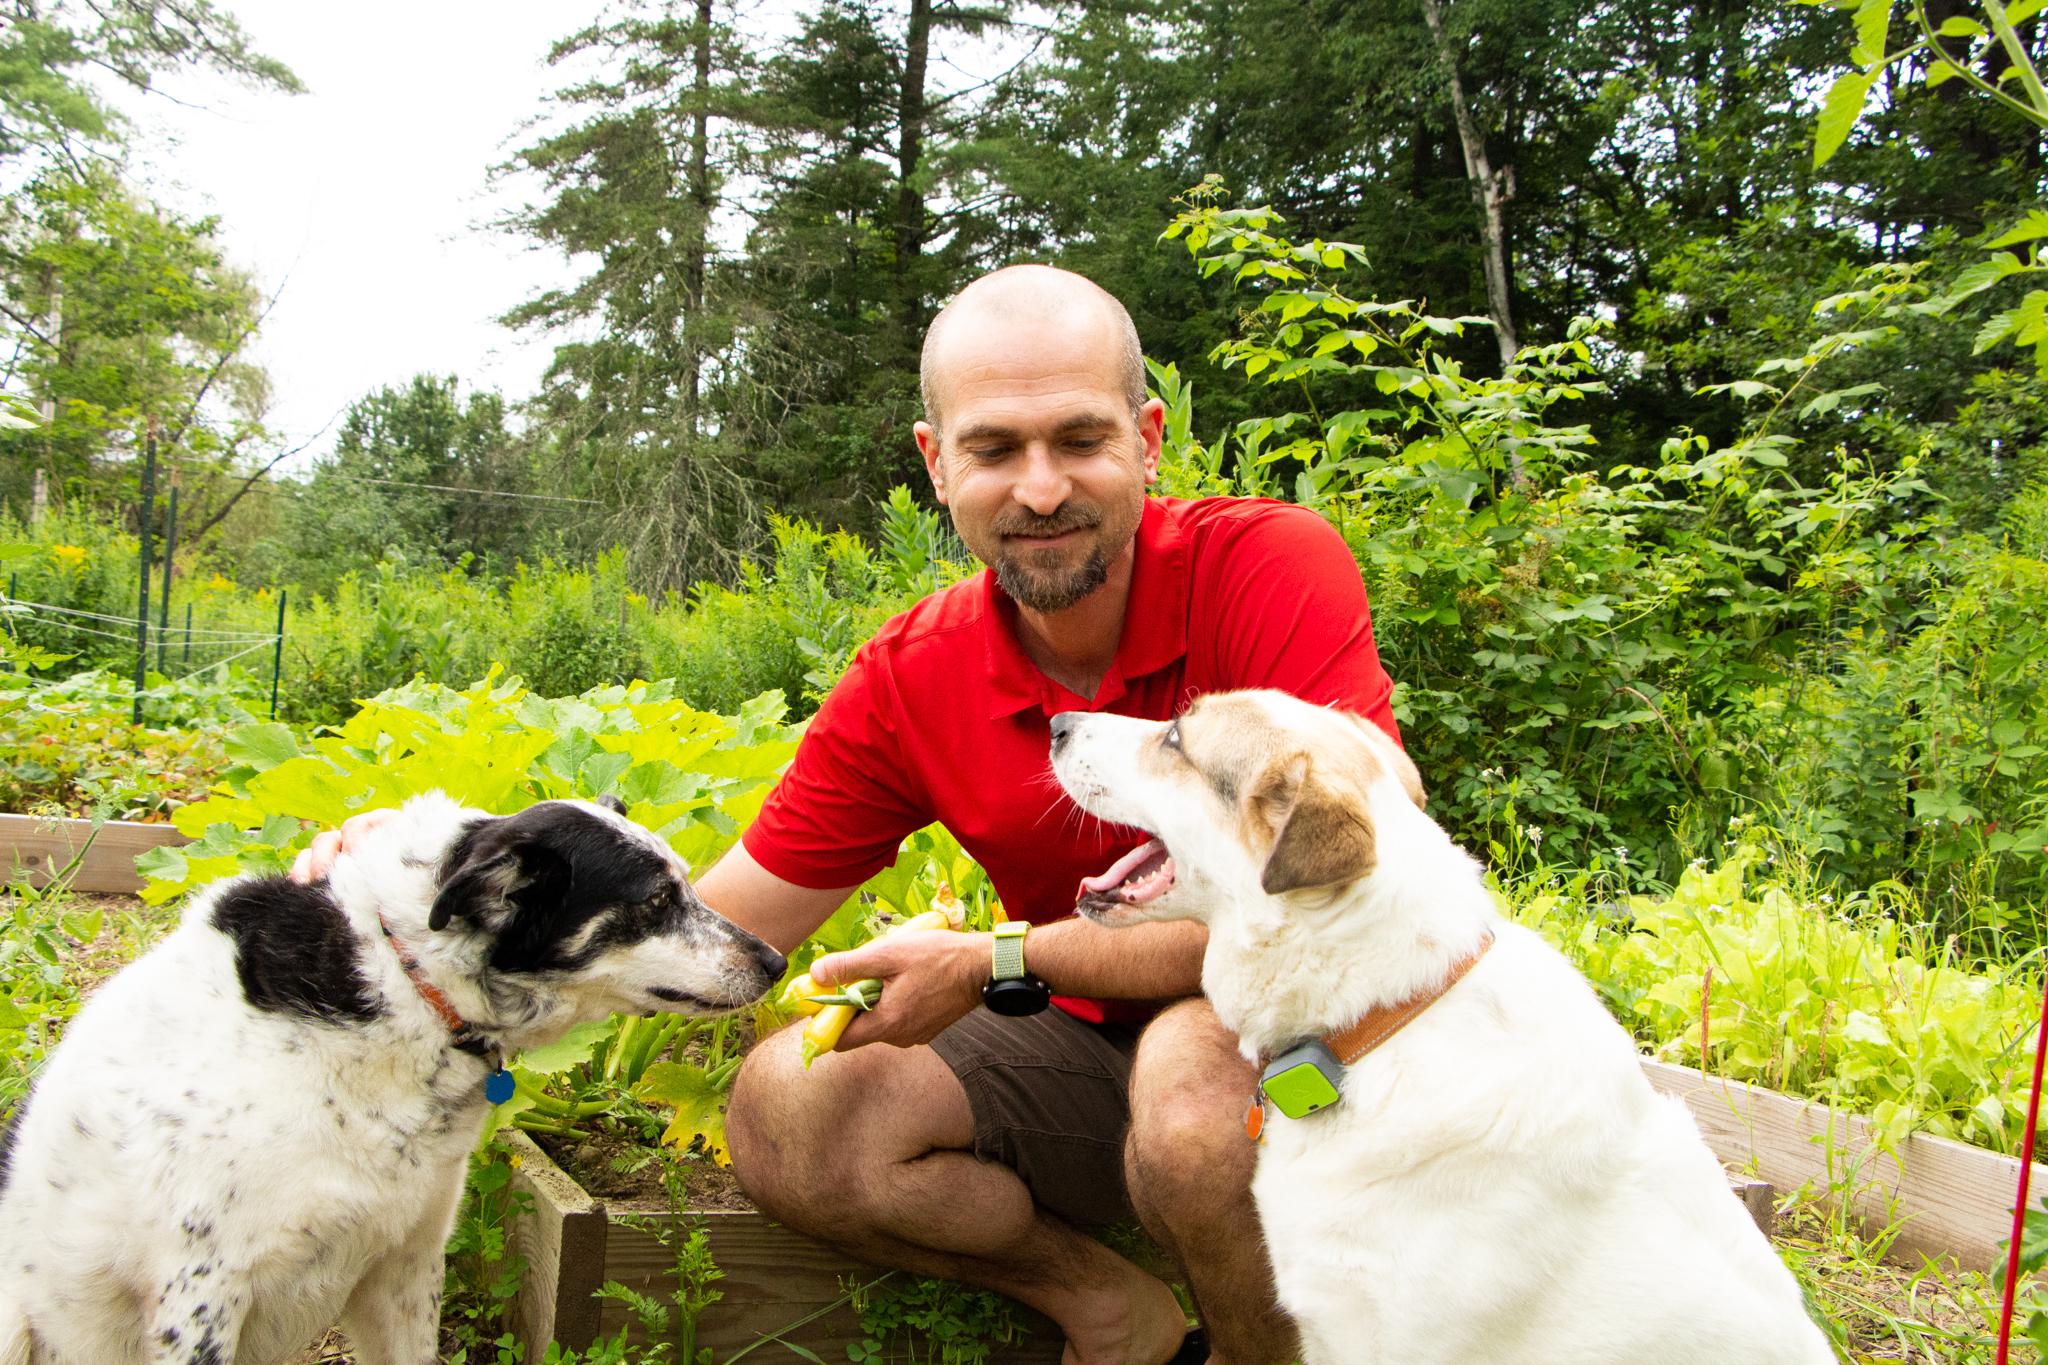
(1303, 1079)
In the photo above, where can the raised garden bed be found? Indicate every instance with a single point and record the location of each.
(1948, 1199)
(779, 1285)
(34, 845)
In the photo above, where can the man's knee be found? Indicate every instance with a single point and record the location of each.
(1188, 1160)
(811, 1139)
(778, 1127)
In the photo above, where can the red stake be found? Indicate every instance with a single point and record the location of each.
(2019, 1208)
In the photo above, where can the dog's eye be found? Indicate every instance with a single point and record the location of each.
(1171, 739)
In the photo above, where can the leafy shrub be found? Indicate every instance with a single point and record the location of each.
(1637, 656)
(693, 777)
(1860, 1001)
(69, 747)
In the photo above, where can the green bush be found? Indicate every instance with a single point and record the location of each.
(1855, 998)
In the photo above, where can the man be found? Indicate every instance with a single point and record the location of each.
(973, 1146)
(978, 1144)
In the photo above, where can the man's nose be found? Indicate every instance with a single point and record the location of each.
(1043, 486)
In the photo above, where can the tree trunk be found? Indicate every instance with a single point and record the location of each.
(699, 231)
(1490, 190)
(910, 227)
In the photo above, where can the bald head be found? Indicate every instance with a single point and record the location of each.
(1029, 296)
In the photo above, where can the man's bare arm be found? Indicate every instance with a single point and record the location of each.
(930, 980)
(765, 905)
(1142, 962)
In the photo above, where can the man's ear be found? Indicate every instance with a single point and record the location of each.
(495, 875)
(928, 446)
(1320, 837)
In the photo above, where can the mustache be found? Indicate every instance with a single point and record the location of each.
(1066, 517)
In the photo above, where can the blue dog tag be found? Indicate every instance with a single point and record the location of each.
(498, 1086)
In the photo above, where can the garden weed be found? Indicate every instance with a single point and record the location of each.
(931, 1322)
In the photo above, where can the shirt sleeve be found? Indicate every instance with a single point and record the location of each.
(849, 798)
(1292, 614)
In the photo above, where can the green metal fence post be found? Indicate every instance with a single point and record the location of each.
(277, 658)
(142, 540)
(163, 614)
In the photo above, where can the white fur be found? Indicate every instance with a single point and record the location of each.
(1499, 1182)
(188, 1164)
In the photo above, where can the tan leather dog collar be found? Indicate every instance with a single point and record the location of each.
(1384, 1021)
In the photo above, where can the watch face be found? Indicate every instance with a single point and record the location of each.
(1016, 996)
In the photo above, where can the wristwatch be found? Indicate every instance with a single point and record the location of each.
(1012, 990)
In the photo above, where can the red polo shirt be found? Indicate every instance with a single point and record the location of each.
(941, 716)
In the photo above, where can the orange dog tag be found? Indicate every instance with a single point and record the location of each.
(1255, 1118)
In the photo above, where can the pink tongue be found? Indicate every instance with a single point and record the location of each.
(1122, 868)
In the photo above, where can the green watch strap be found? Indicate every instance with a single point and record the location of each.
(1009, 951)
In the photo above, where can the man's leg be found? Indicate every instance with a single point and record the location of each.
(872, 1151)
(1188, 1163)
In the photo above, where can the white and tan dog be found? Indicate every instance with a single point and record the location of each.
(261, 1126)
(1498, 1183)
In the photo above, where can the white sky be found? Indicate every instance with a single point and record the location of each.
(365, 198)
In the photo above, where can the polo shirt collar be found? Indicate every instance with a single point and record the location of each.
(1155, 629)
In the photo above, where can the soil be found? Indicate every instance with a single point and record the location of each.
(120, 939)
(614, 1168)
(332, 1350)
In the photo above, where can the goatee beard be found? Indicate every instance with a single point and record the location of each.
(1051, 592)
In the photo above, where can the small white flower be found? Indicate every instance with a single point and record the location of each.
(1621, 856)
(1533, 835)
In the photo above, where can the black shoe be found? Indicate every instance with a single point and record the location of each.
(1194, 1349)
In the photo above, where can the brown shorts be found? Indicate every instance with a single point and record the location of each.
(1051, 1100)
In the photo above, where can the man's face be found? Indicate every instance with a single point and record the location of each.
(1039, 457)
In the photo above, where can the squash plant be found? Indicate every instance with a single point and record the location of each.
(693, 777)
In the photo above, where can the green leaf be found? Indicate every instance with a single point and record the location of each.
(699, 1103)
(1838, 114)
(2030, 228)
(261, 746)
(571, 1049)
(1861, 1027)
(1956, 26)
(600, 772)
(1980, 277)
(1873, 20)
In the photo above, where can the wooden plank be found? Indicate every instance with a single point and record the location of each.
(774, 1278)
(778, 1283)
(1947, 1198)
(563, 1241)
(35, 844)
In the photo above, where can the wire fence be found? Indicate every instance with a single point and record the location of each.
(174, 645)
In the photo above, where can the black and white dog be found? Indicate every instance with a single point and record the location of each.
(261, 1127)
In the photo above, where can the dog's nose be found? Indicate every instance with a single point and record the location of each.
(772, 962)
(1063, 726)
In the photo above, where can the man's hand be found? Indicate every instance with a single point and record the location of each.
(317, 858)
(930, 978)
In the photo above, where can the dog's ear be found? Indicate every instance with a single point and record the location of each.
(1320, 838)
(493, 872)
(612, 804)
(1394, 756)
